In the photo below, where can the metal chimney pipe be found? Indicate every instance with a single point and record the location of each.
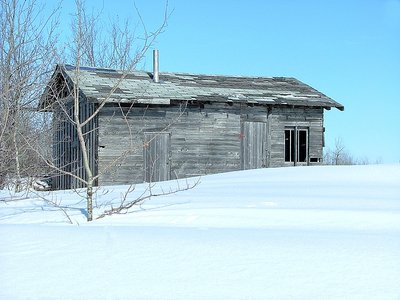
(155, 66)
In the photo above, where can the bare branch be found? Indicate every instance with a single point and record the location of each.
(126, 204)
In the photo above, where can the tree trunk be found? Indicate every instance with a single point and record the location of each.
(18, 187)
(89, 199)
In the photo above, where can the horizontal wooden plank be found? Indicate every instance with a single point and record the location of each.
(203, 141)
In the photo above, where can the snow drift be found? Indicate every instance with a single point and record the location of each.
(287, 233)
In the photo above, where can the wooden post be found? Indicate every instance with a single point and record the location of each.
(295, 145)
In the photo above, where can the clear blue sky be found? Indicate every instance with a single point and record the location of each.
(347, 49)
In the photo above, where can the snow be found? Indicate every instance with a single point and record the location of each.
(285, 233)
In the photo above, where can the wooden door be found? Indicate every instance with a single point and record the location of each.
(254, 145)
(156, 156)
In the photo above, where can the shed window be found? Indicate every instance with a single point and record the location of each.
(296, 145)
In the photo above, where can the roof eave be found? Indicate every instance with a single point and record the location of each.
(44, 102)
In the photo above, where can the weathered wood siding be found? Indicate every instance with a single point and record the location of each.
(67, 152)
(62, 142)
(136, 144)
(254, 145)
(157, 156)
(153, 143)
(202, 140)
(308, 118)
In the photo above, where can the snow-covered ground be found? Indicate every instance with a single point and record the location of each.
(287, 233)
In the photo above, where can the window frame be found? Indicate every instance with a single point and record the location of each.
(295, 150)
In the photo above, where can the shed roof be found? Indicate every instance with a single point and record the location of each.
(99, 84)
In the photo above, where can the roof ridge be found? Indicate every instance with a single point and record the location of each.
(70, 67)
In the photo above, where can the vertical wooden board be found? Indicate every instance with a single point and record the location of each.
(156, 156)
(253, 148)
(56, 148)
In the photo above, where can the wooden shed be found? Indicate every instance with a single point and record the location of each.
(174, 125)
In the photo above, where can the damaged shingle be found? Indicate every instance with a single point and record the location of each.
(97, 83)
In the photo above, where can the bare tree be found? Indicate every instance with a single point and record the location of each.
(27, 52)
(339, 155)
(119, 45)
(88, 48)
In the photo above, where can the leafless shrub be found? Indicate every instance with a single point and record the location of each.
(27, 52)
(339, 155)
